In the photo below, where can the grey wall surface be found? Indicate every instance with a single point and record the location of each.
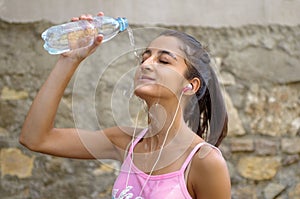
(214, 13)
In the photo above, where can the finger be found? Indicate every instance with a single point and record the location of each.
(96, 43)
(74, 19)
(100, 14)
(98, 40)
(82, 17)
(89, 17)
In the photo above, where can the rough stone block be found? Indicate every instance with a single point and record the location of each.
(295, 192)
(258, 168)
(272, 190)
(235, 126)
(10, 94)
(266, 147)
(3, 132)
(290, 159)
(290, 145)
(14, 162)
(242, 145)
(244, 192)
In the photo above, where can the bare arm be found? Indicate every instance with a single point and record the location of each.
(209, 176)
(38, 132)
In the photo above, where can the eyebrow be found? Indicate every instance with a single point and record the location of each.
(168, 53)
(148, 51)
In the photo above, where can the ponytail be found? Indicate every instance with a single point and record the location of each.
(205, 113)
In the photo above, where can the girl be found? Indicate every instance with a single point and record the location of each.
(176, 156)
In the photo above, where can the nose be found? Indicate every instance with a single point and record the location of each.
(148, 64)
(146, 67)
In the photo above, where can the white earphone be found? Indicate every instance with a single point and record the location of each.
(187, 87)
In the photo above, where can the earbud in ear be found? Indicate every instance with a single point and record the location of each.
(187, 87)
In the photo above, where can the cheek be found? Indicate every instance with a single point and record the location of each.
(167, 82)
(173, 81)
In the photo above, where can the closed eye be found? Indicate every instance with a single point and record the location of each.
(163, 62)
(145, 55)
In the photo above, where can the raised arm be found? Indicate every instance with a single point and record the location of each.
(38, 132)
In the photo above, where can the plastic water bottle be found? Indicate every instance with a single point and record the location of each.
(69, 36)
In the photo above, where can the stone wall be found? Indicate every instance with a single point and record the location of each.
(259, 68)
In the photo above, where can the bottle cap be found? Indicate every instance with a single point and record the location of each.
(123, 23)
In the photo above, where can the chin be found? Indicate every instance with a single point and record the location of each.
(146, 91)
(152, 92)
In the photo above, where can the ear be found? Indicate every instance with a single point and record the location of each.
(196, 83)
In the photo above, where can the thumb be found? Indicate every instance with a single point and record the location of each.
(98, 40)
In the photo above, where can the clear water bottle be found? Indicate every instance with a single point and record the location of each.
(69, 36)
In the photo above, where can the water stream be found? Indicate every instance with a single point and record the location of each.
(132, 43)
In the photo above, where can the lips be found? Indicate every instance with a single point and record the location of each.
(146, 78)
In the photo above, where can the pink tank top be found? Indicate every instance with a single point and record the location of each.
(142, 186)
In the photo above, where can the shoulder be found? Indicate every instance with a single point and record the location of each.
(208, 154)
(209, 174)
(208, 160)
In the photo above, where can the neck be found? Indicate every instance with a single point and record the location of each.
(165, 120)
(168, 137)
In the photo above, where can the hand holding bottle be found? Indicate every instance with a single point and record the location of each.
(82, 32)
(78, 53)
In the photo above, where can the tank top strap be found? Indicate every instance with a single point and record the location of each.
(191, 155)
(137, 139)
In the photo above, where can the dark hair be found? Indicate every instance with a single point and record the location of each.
(210, 119)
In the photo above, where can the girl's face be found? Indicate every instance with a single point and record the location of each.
(161, 72)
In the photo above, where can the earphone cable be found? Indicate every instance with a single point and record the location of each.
(131, 146)
(162, 146)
